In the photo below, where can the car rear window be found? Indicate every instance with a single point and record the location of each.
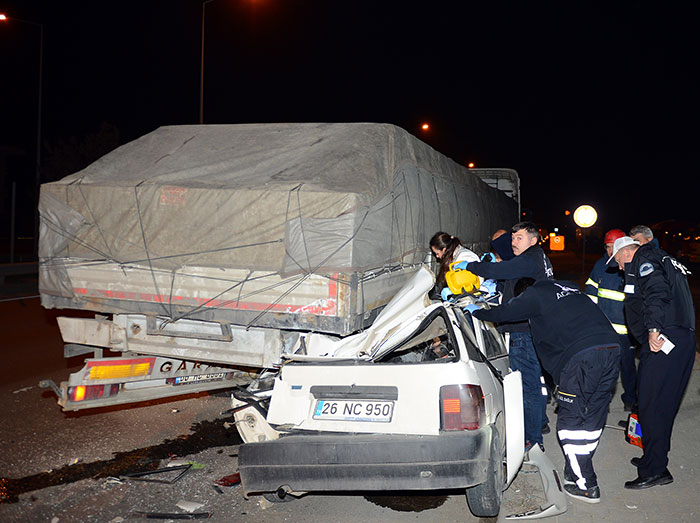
(433, 342)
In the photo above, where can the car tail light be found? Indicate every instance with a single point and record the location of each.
(461, 407)
(92, 392)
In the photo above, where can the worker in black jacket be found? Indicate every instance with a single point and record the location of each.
(529, 261)
(580, 349)
(658, 304)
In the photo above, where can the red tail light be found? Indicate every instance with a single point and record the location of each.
(92, 392)
(461, 407)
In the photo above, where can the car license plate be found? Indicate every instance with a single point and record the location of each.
(354, 410)
(199, 378)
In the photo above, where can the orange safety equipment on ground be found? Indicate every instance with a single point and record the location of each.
(634, 431)
(613, 234)
(460, 281)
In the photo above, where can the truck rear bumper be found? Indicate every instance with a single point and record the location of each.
(366, 462)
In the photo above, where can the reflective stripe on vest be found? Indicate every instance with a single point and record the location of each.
(620, 329)
(591, 282)
(629, 289)
(611, 295)
(594, 299)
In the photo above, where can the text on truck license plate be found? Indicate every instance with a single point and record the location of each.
(354, 410)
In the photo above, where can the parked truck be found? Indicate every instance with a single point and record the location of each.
(207, 252)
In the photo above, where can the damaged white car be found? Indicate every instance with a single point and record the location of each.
(424, 399)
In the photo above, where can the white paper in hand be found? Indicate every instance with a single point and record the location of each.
(668, 344)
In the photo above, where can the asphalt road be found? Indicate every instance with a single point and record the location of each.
(58, 466)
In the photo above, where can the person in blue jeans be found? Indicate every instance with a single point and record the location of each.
(529, 261)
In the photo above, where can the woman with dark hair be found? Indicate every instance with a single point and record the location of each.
(448, 249)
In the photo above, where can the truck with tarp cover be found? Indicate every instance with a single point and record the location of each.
(206, 251)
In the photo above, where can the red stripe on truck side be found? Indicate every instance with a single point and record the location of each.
(327, 308)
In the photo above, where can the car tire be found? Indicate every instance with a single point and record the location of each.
(484, 500)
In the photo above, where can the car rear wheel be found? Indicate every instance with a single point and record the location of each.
(485, 499)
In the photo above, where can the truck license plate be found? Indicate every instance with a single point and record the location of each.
(354, 410)
(199, 378)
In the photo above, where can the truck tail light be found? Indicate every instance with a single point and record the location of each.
(461, 407)
(115, 368)
(92, 392)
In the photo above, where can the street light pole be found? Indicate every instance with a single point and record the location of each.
(201, 67)
(37, 172)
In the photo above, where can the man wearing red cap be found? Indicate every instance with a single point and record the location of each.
(605, 286)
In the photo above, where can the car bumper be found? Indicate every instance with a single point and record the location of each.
(304, 463)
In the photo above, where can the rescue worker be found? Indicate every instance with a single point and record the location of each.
(643, 235)
(501, 245)
(579, 348)
(529, 261)
(658, 305)
(501, 241)
(605, 286)
(448, 249)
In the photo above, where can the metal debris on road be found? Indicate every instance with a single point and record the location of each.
(171, 515)
(24, 389)
(140, 476)
(264, 503)
(181, 462)
(188, 506)
(111, 480)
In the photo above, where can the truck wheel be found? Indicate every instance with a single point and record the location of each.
(484, 500)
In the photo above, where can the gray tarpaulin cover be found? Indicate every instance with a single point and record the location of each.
(287, 198)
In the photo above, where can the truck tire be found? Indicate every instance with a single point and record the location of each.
(484, 500)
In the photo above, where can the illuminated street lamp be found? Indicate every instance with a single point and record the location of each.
(471, 165)
(5, 18)
(585, 216)
(425, 126)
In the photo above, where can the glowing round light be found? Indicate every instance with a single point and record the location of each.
(585, 216)
(425, 126)
(470, 165)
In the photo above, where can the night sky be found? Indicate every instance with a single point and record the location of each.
(595, 102)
